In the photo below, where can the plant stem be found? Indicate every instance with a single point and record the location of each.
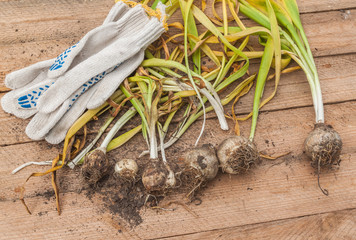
(187, 123)
(186, 17)
(118, 125)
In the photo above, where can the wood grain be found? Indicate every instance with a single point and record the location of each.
(333, 225)
(82, 219)
(25, 43)
(275, 190)
(276, 200)
(337, 72)
(30, 10)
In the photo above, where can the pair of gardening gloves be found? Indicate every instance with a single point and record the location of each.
(84, 76)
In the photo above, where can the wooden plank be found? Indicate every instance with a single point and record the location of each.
(15, 11)
(15, 155)
(37, 10)
(332, 26)
(337, 76)
(327, 5)
(276, 195)
(275, 190)
(48, 30)
(43, 40)
(330, 33)
(17, 56)
(81, 219)
(334, 225)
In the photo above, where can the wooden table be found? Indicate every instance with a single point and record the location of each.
(277, 200)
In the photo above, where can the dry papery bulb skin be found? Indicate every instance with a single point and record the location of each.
(202, 161)
(96, 165)
(323, 146)
(126, 169)
(237, 154)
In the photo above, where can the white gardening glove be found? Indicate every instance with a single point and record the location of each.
(113, 80)
(95, 40)
(36, 91)
(99, 94)
(54, 126)
(132, 18)
(115, 53)
(42, 123)
(9, 102)
(62, 118)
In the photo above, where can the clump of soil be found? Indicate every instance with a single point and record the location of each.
(48, 194)
(125, 200)
(121, 197)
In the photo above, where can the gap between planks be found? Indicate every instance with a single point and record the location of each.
(268, 182)
(236, 232)
(338, 115)
(5, 89)
(15, 58)
(335, 73)
(84, 209)
(65, 8)
(210, 117)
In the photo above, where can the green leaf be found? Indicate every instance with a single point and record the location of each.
(260, 82)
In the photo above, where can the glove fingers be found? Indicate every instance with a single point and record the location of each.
(116, 12)
(10, 102)
(59, 131)
(28, 98)
(65, 59)
(54, 97)
(26, 75)
(113, 80)
(108, 58)
(42, 123)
